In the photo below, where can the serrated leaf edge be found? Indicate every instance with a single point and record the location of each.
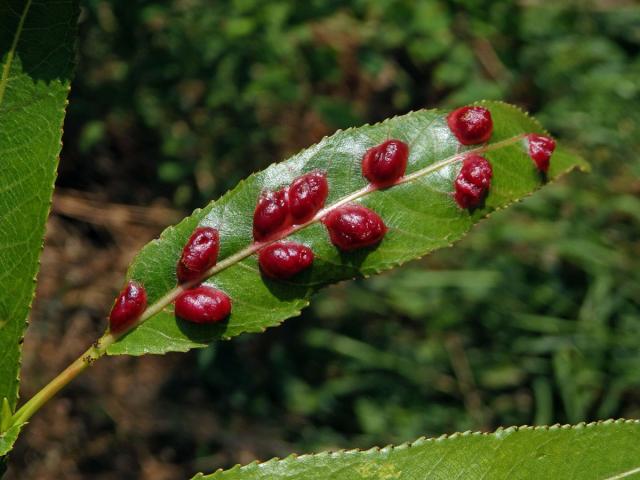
(499, 433)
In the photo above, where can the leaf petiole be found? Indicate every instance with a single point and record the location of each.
(85, 360)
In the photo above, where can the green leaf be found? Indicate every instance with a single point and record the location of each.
(420, 213)
(604, 451)
(36, 49)
(8, 438)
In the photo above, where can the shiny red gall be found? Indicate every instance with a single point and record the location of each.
(307, 195)
(199, 254)
(540, 150)
(203, 304)
(473, 181)
(353, 226)
(129, 305)
(384, 164)
(271, 214)
(471, 124)
(282, 260)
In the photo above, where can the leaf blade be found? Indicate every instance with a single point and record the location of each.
(420, 214)
(9, 437)
(601, 450)
(36, 47)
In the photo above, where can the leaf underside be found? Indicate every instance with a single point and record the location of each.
(607, 450)
(421, 215)
(36, 50)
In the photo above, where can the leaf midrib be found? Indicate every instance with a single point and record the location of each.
(231, 260)
(624, 474)
(4, 80)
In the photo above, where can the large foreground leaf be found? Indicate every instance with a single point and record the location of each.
(36, 48)
(421, 215)
(604, 451)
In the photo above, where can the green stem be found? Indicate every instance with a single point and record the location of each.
(85, 360)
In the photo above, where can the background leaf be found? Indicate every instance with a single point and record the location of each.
(421, 215)
(603, 450)
(36, 47)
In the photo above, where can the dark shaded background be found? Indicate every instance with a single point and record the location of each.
(534, 318)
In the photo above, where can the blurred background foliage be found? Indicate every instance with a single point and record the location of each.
(532, 319)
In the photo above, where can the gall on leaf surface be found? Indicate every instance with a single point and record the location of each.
(420, 213)
(282, 260)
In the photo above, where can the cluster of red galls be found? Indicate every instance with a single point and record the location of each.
(473, 125)
(350, 226)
